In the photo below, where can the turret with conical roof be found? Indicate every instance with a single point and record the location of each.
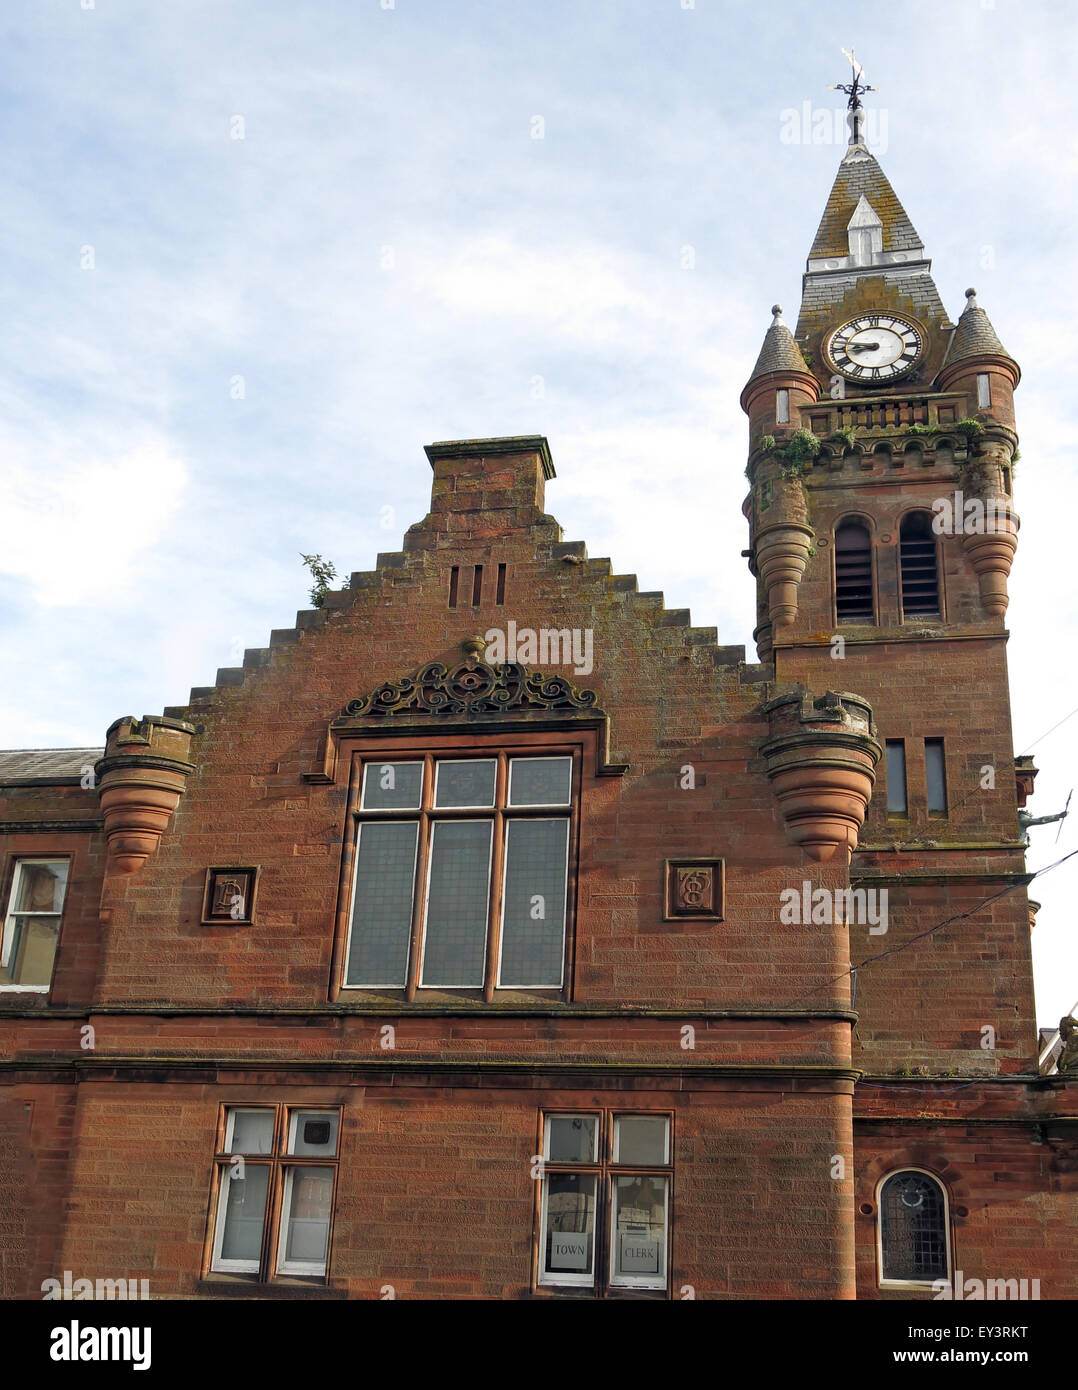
(781, 384)
(978, 364)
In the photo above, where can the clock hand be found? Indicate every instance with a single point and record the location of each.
(864, 347)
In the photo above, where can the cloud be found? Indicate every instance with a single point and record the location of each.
(76, 528)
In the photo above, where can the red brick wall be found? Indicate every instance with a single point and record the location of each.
(435, 1195)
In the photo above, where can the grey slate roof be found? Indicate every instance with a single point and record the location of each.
(821, 292)
(859, 176)
(974, 336)
(779, 353)
(45, 764)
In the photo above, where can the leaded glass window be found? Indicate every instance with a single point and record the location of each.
(460, 873)
(913, 1228)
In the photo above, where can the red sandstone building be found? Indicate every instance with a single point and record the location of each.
(490, 933)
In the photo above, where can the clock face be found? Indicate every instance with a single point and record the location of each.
(875, 348)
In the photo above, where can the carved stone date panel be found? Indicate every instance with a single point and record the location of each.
(694, 890)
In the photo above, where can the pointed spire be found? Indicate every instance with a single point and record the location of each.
(779, 353)
(974, 336)
(856, 181)
(865, 230)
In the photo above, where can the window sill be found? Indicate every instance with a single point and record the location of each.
(284, 1287)
(434, 998)
(914, 1285)
(553, 1291)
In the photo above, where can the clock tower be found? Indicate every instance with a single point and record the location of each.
(882, 530)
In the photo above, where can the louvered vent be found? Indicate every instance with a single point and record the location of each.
(853, 574)
(917, 559)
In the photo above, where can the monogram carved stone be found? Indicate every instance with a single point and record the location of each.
(694, 890)
(229, 896)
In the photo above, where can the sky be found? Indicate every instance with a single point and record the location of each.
(257, 254)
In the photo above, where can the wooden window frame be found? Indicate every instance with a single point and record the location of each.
(281, 1165)
(605, 1170)
(430, 749)
(17, 861)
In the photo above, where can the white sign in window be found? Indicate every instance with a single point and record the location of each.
(569, 1250)
(638, 1254)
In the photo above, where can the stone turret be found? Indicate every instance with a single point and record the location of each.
(140, 781)
(821, 759)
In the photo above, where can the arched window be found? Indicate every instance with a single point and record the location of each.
(853, 573)
(913, 1228)
(917, 561)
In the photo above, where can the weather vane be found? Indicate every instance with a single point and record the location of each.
(855, 87)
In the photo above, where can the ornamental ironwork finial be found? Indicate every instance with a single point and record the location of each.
(855, 86)
(854, 90)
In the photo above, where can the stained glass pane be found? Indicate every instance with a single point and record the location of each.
(456, 929)
(382, 909)
(540, 781)
(468, 783)
(392, 786)
(533, 913)
(913, 1228)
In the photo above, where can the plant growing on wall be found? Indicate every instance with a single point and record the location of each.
(847, 436)
(322, 571)
(766, 446)
(802, 448)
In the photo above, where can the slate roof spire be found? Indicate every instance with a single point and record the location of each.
(864, 230)
(779, 352)
(974, 336)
